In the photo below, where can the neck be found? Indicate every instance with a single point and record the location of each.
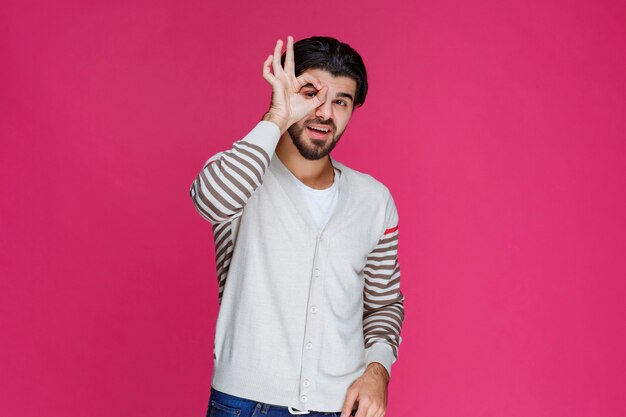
(318, 174)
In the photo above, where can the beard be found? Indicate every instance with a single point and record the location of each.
(313, 149)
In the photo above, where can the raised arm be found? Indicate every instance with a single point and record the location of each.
(228, 178)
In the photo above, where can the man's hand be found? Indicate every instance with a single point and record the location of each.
(370, 391)
(288, 105)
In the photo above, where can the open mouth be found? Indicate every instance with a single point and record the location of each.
(318, 132)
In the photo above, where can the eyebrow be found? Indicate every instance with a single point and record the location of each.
(345, 95)
(340, 94)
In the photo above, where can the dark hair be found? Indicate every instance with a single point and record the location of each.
(328, 54)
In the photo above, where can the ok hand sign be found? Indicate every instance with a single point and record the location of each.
(288, 105)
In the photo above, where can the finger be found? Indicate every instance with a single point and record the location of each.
(277, 67)
(367, 411)
(305, 79)
(378, 412)
(289, 64)
(320, 97)
(266, 70)
(348, 403)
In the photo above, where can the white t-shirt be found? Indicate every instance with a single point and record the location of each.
(321, 202)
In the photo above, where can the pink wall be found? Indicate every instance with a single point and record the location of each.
(498, 125)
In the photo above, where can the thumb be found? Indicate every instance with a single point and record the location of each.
(320, 97)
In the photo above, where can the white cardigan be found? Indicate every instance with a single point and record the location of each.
(302, 311)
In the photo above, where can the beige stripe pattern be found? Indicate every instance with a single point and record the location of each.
(383, 300)
(227, 181)
(220, 193)
(224, 243)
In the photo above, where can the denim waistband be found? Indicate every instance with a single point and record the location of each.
(239, 402)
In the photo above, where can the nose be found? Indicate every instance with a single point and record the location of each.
(325, 110)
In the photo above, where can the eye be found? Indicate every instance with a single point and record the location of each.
(341, 102)
(310, 93)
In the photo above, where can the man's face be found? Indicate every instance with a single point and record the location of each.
(333, 115)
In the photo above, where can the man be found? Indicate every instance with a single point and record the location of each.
(306, 251)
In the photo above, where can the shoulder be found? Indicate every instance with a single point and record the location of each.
(365, 185)
(371, 199)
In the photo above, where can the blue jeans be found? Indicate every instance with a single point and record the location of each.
(222, 404)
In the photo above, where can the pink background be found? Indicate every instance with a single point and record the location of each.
(499, 127)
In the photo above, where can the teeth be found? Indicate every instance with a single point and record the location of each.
(321, 130)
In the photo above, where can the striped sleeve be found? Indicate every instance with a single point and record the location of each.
(383, 300)
(228, 179)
